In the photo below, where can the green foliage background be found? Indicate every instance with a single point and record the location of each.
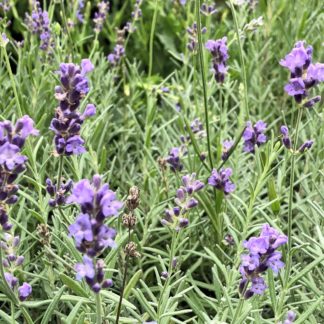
(136, 124)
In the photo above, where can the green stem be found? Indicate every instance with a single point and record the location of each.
(240, 304)
(124, 281)
(13, 313)
(98, 309)
(10, 294)
(290, 210)
(94, 46)
(203, 77)
(291, 189)
(152, 38)
(13, 83)
(67, 27)
(59, 174)
(237, 31)
(172, 254)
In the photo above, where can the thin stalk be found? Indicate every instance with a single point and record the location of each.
(203, 77)
(13, 83)
(172, 254)
(8, 291)
(98, 309)
(290, 210)
(240, 304)
(59, 174)
(124, 282)
(291, 189)
(154, 19)
(13, 313)
(67, 28)
(95, 42)
(237, 31)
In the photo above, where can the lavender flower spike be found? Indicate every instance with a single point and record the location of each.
(90, 234)
(221, 180)
(68, 120)
(227, 145)
(101, 15)
(262, 255)
(175, 218)
(12, 162)
(306, 146)
(24, 291)
(285, 137)
(291, 316)
(254, 135)
(304, 75)
(39, 24)
(218, 49)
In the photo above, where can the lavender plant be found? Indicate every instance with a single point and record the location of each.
(39, 24)
(227, 159)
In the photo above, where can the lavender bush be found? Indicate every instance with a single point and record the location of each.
(161, 162)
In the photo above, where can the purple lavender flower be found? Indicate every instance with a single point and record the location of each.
(12, 162)
(285, 136)
(296, 87)
(304, 75)
(67, 121)
(100, 15)
(262, 256)
(115, 57)
(59, 196)
(254, 135)
(227, 145)
(39, 24)
(197, 128)
(298, 59)
(258, 286)
(174, 158)
(219, 51)
(136, 14)
(11, 260)
(92, 198)
(221, 180)
(306, 146)
(290, 317)
(193, 36)
(164, 275)
(190, 183)
(11, 280)
(91, 235)
(79, 13)
(5, 6)
(274, 262)
(24, 291)
(311, 102)
(85, 269)
(207, 10)
(185, 201)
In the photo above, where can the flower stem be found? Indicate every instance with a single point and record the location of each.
(237, 31)
(98, 309)
(152, 37)
(124, 282)
(203, 77)
(290, 210)
(240, 304)
(59, 174)
(291, 190)
(8, 291)
(13, 312)
(13, 83)
(172, 254)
